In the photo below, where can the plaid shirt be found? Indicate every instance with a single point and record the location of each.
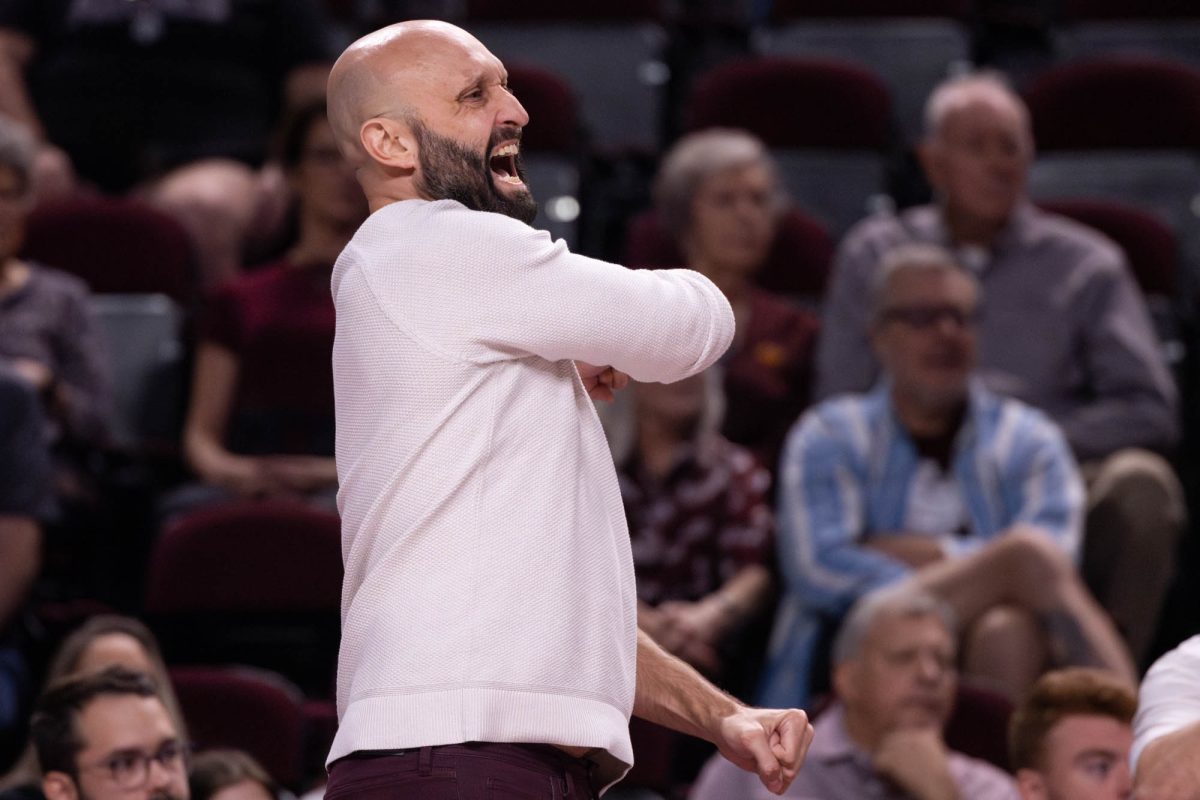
(697, 527)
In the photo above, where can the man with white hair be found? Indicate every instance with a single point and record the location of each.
(1063, 328)
(895, 677)
(932, 479)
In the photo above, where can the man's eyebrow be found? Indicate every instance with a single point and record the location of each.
(122, 752)
(1097, 751)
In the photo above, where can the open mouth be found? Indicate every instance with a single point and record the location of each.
(503, 163)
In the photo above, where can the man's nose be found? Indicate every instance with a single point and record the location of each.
(513, 113)
(930, 667)
(160, 775)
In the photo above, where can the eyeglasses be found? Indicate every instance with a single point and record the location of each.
(130, 769)
(925, 317)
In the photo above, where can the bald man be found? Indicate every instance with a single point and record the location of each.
(490, 646)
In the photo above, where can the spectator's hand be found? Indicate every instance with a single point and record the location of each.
(245, 476)
(667, 625)
(692, 631)
(1169, 768)
(300, 473)
(601, 382)
(915, 759)
(915, 550)
(35, 373)
(769, 742)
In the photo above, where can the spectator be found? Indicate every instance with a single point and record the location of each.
(108, 735)
(24, 501)
(895, 680)
(260, 420)
(1069, 739)
(103, 641)
(1166, 745)
(934, 479)
(1063, 328)
(700, 525)
(177, 99)
(229, 775)
(48, 335)
(718, 194)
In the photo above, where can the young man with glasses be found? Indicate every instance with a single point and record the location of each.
(933, 479)
(108, 735)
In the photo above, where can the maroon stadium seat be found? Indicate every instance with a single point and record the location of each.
(260, 556)
(846, 9)
(245, 709)
(795, 103)
(1129, 9)
(250, 583)
(1127, 102)
(115, 245)
(580, 11)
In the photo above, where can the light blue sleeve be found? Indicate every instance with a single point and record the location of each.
(822, 517)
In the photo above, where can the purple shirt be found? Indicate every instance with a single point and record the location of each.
(837, 769)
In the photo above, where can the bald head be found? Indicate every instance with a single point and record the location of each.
(424, 111)
(386, 74)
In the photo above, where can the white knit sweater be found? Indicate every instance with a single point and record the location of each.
(489, 592)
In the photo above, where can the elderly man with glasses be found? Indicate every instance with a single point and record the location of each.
(932, 479)
(108, 735)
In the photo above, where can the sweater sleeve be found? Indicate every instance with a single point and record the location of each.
(487, 288)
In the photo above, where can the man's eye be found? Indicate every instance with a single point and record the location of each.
(1098, 767)
(123, 763)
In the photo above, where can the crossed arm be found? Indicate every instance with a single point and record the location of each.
(769, 742)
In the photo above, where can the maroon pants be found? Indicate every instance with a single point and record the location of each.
(471, 771)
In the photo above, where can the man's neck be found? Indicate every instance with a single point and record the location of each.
(923, 419)
(967, 230)
(861, 730)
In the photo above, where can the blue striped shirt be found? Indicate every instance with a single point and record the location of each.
(848, 472)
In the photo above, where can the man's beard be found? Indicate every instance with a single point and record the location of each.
(450, 171)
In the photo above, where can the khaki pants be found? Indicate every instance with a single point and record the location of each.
(1135, 516)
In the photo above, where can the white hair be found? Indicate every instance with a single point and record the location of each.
(912, 257)
(902, 601)
(953, 92)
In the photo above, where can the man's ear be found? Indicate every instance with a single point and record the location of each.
(843, 678)
(389, 143)
(59, 786)
(929, 155)
(1031, 785)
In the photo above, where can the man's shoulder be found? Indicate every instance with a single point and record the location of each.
(887, 228)
(844, 423)
(977, 778)
(1008, 426)
(435, 231)
(1073, 242)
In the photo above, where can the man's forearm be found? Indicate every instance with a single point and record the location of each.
(674, 695)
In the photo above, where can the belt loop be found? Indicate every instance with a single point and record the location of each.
(568, 784)
(425, 761)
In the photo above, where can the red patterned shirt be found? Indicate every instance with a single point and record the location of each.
(700, 525)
